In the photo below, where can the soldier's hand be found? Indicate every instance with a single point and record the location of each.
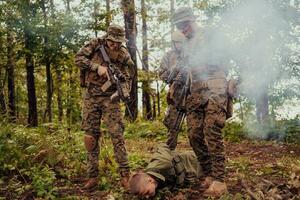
(102, 70)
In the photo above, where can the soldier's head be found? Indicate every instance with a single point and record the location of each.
(115, 36)
(177, 40)
(184, 19)
(142, 184)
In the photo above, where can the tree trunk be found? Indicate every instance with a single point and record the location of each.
(68, 7)
(59, 94)
(262, 107)
(145, 84)
(108, 14)
(47, 62)
(70, 100)
(96, 13)
(158, 98)
(31, 94)
(131, 32)
(172, 12)
(2, 84)
(29, 62)
(10, 73)
(153, 106)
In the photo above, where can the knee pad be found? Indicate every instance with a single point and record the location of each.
(90, 142)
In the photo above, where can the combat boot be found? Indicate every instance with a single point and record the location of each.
(91, 184)
(216, 189)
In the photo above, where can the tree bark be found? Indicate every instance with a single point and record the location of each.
(172, 12)
(262, 107)
(95, 18)
(59, 94)
(10, 75)
(128, 7)
(47, 62)
(145, 84)
(70, 99)
(2, 83)
(31, 94)
(158, 98)
(29, 63)
(108, 14)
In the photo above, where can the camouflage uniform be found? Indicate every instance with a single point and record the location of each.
(206, 108)
(171, 168)
(98, 105)
(168, 64)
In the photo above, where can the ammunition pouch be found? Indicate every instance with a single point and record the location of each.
(179, 170)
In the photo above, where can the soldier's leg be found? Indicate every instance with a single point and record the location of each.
(214, 121)
(112, 117)
(169, 121)
(196, 137)
(91, 126)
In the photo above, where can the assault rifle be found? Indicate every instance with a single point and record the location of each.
(115, 78)
(180, 104)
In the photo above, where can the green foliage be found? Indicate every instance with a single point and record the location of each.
(291, 129)
(234, 131)
(283, 130)
(146, 129)
(43, 181)
(32, 158)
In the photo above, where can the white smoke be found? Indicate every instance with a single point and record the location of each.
(251, 35)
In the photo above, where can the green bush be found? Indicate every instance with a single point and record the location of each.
(32, 158)
(234, 131)
(146, 129)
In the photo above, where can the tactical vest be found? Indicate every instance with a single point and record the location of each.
(119, 58)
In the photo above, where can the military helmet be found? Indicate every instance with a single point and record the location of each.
(183, 14)
(116, 33)
(177, 36)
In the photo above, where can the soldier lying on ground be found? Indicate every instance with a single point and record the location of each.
(166, 168)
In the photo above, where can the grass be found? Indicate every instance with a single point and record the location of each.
(26, 168)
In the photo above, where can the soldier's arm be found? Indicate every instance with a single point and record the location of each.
(128, 68)
(84, 55)
(164, 68)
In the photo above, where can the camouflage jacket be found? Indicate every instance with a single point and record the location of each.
(168, 63)
(208, 73)
(90, 54)
(172, 168)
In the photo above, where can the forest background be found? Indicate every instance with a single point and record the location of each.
(41, 148)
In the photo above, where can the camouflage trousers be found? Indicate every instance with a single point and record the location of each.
(95, 109)
(206, 115)
(169, 120)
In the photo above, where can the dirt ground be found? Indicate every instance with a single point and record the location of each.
(253, 169)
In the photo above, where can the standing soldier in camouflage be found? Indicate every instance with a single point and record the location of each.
(168, 73)
(206, 107)
(100, 104)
